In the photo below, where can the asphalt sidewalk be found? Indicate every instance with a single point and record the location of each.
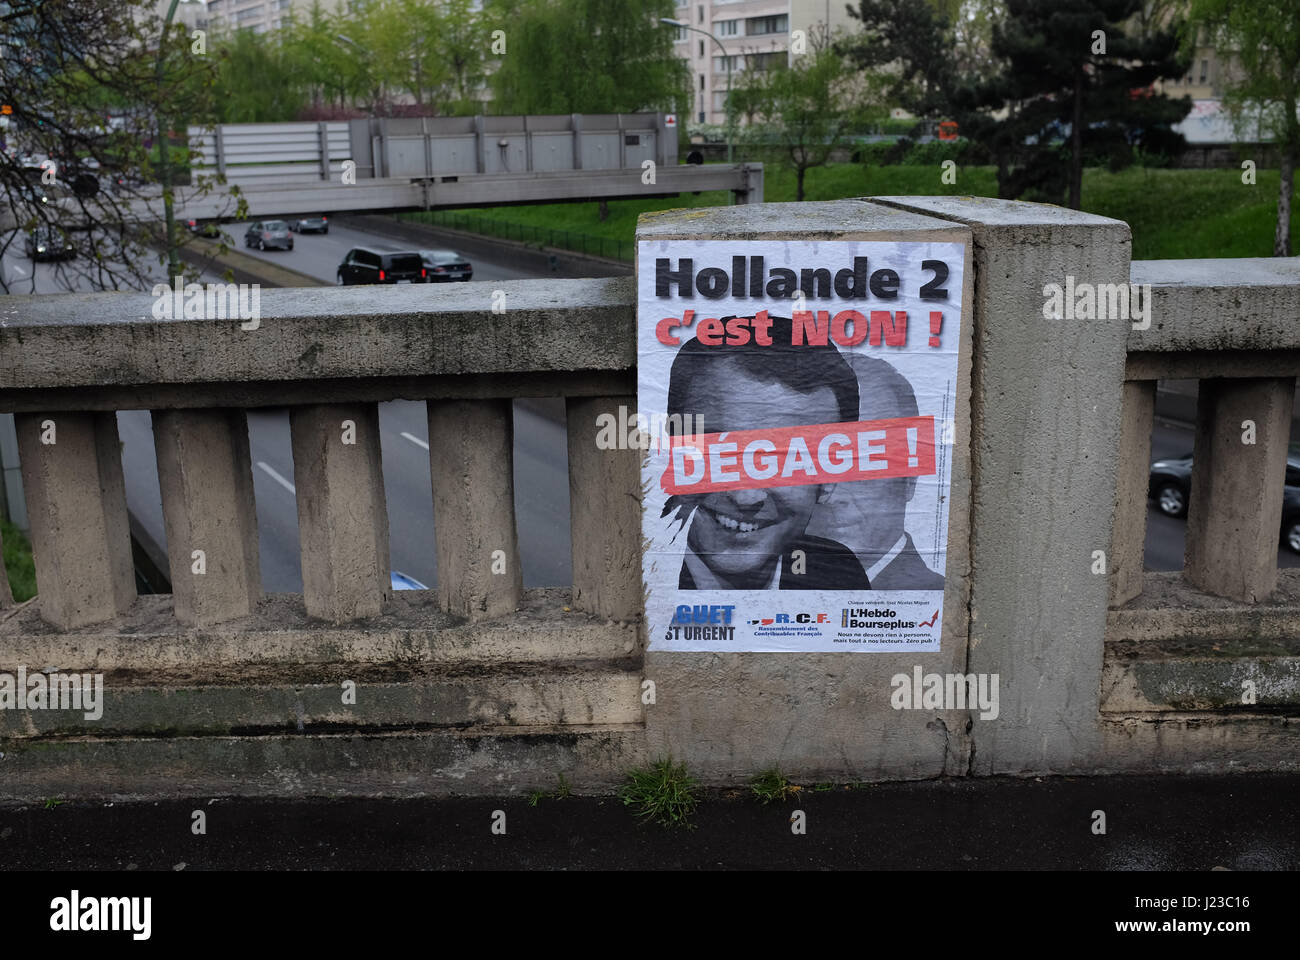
(1242, 822)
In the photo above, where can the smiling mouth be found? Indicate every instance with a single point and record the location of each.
(735, 524)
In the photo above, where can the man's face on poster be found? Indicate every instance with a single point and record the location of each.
(737, 533)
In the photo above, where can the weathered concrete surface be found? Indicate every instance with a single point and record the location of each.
(496, 761)
(604, 513)
(471, 462)
(76, 504)
(410, 631)
(242, 702)
(1142, 684)
(205, 476)
(1235, 504)
(1046, 401)
(821, 716)
(1172, 684)
(1134, 480)
(1170, 611)
(1233, 304)
(93, 339)
(342, 517)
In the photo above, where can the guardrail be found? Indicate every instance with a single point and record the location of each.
(481, 686)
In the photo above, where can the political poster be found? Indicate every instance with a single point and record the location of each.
(795, 407)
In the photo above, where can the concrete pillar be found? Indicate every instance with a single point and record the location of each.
(1046, 399)
(471, 461)
(342, 513)
(1235, 508)
(1131, 490)
(206, 479)
(76, 504)
(604, 513)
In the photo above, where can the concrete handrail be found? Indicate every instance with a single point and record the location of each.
(1101, 668)
(77, 359)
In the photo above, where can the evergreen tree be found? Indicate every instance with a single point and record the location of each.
(1076, 87)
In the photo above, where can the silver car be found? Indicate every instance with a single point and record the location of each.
(269, 235)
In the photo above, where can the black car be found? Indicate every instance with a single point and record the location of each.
(310, 225)
(1171, 484)
(269, 235)
(446, 265)
(49, 243)
(373, 265)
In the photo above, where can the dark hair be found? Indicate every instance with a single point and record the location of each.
(802, 368)
(885, 392)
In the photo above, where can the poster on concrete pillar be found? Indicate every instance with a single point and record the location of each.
(795, 412)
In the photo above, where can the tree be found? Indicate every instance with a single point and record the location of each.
(1262, 91)
(1075, 86)
(257, 80)
(910, 43)
(802, 113)
(588, 56)
(66, 65)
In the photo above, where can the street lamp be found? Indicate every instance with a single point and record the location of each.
(726, 59)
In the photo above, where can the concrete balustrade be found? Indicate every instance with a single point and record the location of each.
(1102, 668)
(471, 461)
(206, 479)
(342, 510)
(604, 513)
(76, 504)
(1239, 467)
(1138, 408)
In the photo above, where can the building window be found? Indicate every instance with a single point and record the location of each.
(701, 48)
(701, 9)
(701, 116)
(721, 64)
(681, 34)
(766, 61)
(757, 26)
(701, 81)
(727, 28)
(1205, 70)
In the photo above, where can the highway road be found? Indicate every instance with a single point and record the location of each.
(541, 464)
(1167, 536)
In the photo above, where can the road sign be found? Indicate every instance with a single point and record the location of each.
(670, 119)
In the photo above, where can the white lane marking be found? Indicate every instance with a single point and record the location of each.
(415, 440)
(276, 477)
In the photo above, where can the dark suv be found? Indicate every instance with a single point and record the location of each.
(370, 265)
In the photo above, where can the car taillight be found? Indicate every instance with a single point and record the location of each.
(381, 274)
(324, 219)
(424, 272)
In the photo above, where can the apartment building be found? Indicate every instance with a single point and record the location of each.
(261, 15)
(747, 35)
